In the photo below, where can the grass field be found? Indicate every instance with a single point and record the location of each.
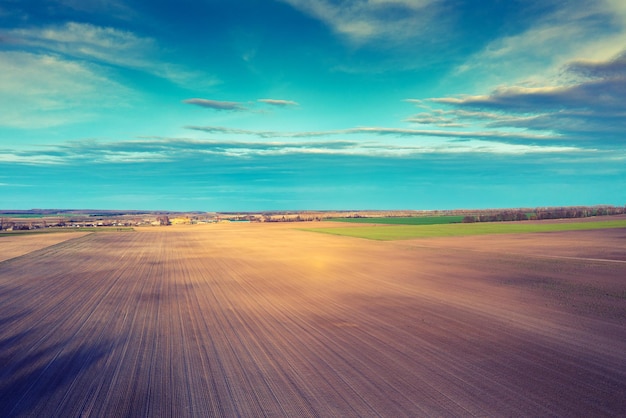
(413, 220)
(397, 232)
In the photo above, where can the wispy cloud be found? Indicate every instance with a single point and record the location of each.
(46, 90)
(572, 30)
(230, 131)
(437, 118)
(452, 117)
(165, 172)
(367, 20)
(278, 102)
(601, 94)
(106, 46)
(215, 104)
(377, 131)
(238, 106)
(178, 151)
(31, 158)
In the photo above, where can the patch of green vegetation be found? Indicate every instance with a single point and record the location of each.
(398, 232)
(414, 220)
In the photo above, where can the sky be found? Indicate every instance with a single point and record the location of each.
(259, 105)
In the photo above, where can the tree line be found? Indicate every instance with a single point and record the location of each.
(543, 213)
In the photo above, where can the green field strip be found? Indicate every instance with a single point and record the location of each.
(399, 232)
(413, 220)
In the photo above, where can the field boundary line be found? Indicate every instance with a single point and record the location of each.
(607, 260)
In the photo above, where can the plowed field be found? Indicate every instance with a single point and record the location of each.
(19, 244)
(266, 320)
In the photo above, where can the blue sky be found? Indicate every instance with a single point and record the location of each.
(292, 104)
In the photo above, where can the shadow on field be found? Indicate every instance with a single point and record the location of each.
(7, 342)
(4, 322)
(30, 377)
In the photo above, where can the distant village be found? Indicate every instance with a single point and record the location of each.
(21, 220)
(32, 221)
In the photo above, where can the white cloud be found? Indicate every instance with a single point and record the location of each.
(578, 30)
(83, 40)
(589, 105)
(364, 20)
(45, 90)
(108, 46)
(131, 157)
(278, 102)
(31, 159)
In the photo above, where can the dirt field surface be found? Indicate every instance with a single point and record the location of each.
(266, 320)
(602, 245)
(17, 245)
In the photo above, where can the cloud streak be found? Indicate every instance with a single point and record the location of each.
(237, 106)
(278, 102)
(215, 104)
(381, 131)
(180, 150)
(369, 20)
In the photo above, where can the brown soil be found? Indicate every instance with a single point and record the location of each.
(266, 320)
(19, 244)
